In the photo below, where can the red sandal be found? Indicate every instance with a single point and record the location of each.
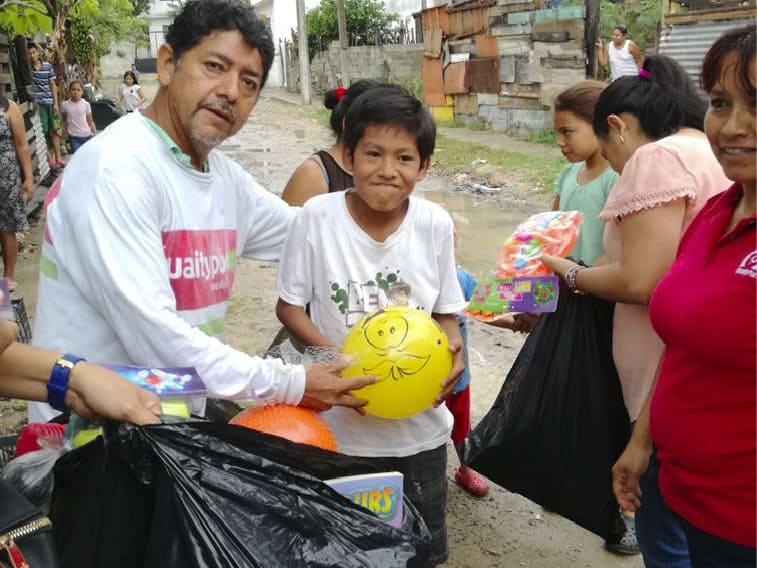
(472, 481)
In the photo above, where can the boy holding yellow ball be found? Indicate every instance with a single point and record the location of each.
(348, 253)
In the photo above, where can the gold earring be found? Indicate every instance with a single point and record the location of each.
(622, 140)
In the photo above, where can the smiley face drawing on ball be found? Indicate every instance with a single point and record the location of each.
(387, 334)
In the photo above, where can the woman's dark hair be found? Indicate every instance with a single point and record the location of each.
(199, 18)
(741, 42)
(4, 103)
(390, 105)
(132, 75)
(580, 99)
(664, 100)
(621, 28)
(340, 106)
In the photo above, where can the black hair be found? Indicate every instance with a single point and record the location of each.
(340, 106)
(200, 18)
(31, 44)
(664, 100)
(76, 82)
(132, 75)
(4, 103)
(741, 42)
(390, 105)
(621, 28)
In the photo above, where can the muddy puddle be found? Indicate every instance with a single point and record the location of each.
(483, 223)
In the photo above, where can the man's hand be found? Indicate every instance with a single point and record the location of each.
(324, 387)
(458, 366)
(97, 392)
(626, 472)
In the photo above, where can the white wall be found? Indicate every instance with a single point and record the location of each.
(283, 16)
(118, 60)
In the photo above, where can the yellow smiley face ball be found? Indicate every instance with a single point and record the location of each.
(407, 350)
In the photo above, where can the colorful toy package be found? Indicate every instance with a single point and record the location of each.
(523, 283)
(551, 232)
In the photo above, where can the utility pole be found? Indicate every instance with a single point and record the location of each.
(302, 44)
(592, 36)
(344, 42)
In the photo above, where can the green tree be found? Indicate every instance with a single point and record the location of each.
(368, 23)
(641, 17)
(24, 17)
(91, 34)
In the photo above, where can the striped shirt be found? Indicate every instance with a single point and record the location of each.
(42, 78)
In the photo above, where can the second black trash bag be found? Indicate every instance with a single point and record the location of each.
(199, 494)
(559, 423)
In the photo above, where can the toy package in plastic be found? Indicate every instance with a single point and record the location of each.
(552, 232)
(522, 282)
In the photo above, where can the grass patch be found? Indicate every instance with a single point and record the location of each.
(319, 115)
(548, 137)
(478, 124)
(454, 123)
(457, 156)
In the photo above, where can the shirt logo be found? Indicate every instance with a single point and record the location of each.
(748, 266)
(200, 266)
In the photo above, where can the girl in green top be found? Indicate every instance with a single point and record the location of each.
(584, 184)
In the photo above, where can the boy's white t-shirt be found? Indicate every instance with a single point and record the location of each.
(138, 262)
(329, 262)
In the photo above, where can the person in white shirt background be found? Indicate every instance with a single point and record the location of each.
(131, 97)
(621, 53)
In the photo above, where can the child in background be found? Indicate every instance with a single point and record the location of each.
(77, 117)
(131, 97)
(46, 95)
(459, 401)
(359, 241)
(584, 184)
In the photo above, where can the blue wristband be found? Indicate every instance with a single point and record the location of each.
(57, 385)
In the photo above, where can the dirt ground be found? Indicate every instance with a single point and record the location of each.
(502, 529)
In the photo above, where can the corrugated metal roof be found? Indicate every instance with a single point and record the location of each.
(688, 43)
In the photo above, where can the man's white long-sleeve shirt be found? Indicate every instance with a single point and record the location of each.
(139, 256)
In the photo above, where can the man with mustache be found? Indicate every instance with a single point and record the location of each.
(149, 204)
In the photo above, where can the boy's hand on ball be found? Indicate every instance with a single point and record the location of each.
(458, 366)
(324, 387)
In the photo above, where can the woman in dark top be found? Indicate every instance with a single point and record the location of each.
(323, 172)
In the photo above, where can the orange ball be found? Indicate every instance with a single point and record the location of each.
(296, 424)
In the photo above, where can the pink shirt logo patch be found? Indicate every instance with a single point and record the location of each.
(200, 266)
(748, 266)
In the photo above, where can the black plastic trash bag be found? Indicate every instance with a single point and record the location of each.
(199, 494)
(559, 423)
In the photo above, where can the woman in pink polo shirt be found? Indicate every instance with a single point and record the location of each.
(704, 409)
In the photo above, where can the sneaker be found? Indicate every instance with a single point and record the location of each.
(624, 544)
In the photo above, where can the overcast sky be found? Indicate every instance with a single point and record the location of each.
(407, 7)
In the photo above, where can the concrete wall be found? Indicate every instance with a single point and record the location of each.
(119, 60)
(394, 62)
